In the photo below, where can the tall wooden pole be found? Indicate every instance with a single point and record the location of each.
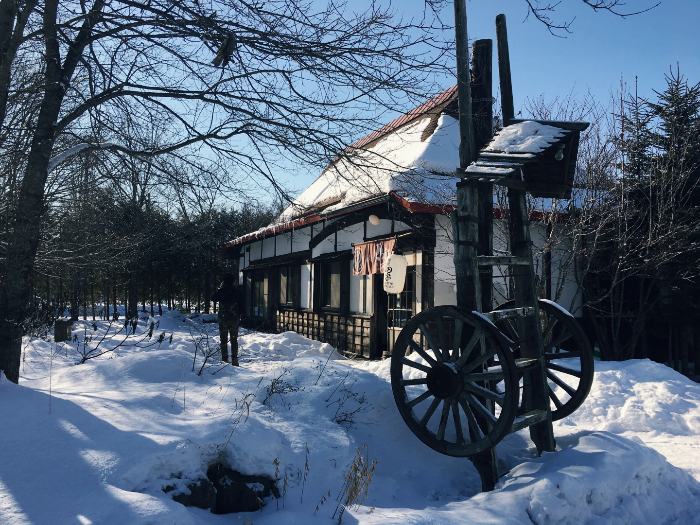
(482, 110)
(464, 94)
(507, 109)
(464, 220)
(535, 388)
(465, 225)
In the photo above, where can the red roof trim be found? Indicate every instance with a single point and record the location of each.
(411, 207)
(419, 207)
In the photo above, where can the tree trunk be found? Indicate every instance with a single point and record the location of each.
(670, 344)
(150, 278)
(676, 348)
(685, 365)
(199, 295)
(696, 348)
(83, 298)
(160, 299)
(114, 298)
(643, 348)
(133, 294)
(74, 304)
(24, 239)
(106, 302)
(207, 290)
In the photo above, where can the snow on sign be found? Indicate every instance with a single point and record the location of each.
(395, 273)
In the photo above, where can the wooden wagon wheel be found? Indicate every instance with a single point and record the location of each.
(567, 352)
(454, 381)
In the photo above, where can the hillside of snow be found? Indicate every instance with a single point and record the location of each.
(99, 442)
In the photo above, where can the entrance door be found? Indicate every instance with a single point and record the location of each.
(381, 305)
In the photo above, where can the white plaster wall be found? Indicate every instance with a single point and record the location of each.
(255, 251)
(306, 290)
(327, 245)
(351, 235)
(564, 278)
(564, 288)
(268, 247)
(444, 263)
(369, 300)
(382, 228)
(284, 243)
(300, 239)
(500, 245)
(356, 293)
(538, 235)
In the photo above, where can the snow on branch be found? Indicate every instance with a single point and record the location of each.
(58, 159)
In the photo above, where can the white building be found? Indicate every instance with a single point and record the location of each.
(317, 269)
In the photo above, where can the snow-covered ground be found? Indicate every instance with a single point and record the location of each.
(99, 441)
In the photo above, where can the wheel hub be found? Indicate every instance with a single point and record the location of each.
(444, 381)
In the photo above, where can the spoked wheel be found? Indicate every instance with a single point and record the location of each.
(454, 381)
(567, 352)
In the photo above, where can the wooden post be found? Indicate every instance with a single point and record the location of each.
(464, 219)
(535, 388)
(507, 109)
(465, 226)
(482, 109)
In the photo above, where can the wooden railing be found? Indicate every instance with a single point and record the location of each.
(351, 335)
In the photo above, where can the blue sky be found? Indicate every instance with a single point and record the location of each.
(601, 50)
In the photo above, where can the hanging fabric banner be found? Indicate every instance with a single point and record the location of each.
(369, 257)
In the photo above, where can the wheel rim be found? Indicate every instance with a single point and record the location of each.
(454, 381)
(568, 356)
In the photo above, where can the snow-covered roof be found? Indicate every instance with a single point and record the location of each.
(415, 167)
(413, 158)
(524, 137)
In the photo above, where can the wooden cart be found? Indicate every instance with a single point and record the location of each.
(464, 379)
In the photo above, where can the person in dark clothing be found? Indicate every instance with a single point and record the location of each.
(228, 297)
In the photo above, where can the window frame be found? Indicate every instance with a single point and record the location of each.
(258, 294)
(329, 295)
(290, 275)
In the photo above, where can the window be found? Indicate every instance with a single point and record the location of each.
(331, 288)
(256, 292)
(330, 284)
(401, 305)
(287, 285)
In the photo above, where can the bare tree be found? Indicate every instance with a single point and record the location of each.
(543, 12)
(279, 78)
